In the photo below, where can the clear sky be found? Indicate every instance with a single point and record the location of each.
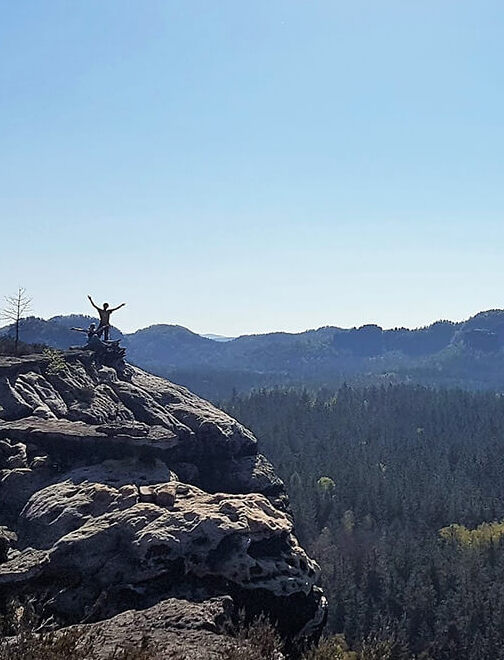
(241, 166)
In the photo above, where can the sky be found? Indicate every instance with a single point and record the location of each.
(248, 166)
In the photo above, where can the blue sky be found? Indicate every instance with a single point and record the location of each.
(240, 167)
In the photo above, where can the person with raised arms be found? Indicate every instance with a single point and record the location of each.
(104, 314)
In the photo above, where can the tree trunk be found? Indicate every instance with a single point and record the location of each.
(16, 342)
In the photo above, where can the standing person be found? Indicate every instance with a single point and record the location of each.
(104, 314)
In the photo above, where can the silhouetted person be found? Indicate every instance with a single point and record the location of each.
(92, 331)
(104, 314)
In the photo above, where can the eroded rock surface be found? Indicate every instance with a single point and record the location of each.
(120, 492)
(174, 628)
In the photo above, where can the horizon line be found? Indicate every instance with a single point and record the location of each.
(271, 332)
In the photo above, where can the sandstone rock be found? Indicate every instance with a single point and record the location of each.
(121, 472)
(174, 628)
(12, 455)
(107, 375)
(38, 393)
(7, 539)
(233, 539)
(21, 569)
(12, 404)
(43, 412)
(18, 458)
(219, 429)
(82, 403)
(133, 429)
(182, 537)
(56, 510)
(40, 462)
(16, 488)
(140, 495)
(247, 474)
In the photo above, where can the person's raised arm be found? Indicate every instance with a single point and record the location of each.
(114, 309)
(91, 301)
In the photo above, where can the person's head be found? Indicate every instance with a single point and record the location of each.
(105, 305)
(92, 326)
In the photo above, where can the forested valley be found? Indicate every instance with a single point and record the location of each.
(398, 491)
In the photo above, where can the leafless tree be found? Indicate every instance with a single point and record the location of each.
(15, 309)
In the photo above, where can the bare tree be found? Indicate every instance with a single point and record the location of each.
(15, 309)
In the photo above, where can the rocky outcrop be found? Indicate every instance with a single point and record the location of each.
(123, 494)
(181, 629)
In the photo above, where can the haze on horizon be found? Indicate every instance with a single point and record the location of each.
(239, 168)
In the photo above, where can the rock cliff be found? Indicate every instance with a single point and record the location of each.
(128, 503)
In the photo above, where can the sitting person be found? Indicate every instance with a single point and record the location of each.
(91, 331)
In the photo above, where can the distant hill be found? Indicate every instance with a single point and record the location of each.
(55, 332)
(468, 354)
(218, 337)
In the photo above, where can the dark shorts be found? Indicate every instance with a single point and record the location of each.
(103, 330)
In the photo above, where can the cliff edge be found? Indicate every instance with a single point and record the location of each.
(130, 505)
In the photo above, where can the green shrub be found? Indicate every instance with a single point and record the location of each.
(331, 648)
(258, 640)
(56, 362)
(47, 646)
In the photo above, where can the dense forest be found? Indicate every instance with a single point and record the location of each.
(399, 493)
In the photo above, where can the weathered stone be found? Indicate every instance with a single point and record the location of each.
(12, 455)
(12, 405)
(121, 472)
(174, 628)
(248, 474)
(7, 539)
(106, 525)
(18, 458)
(133, 429)
(59, 509)
(37, 392)
(39, 462)
(16, 487)
(20, 570)
(219, 430)
(239, 539)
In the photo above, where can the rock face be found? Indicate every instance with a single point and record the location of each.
(123, 494)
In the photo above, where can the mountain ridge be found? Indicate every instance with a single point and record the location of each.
(466, 353)
(69, 320)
